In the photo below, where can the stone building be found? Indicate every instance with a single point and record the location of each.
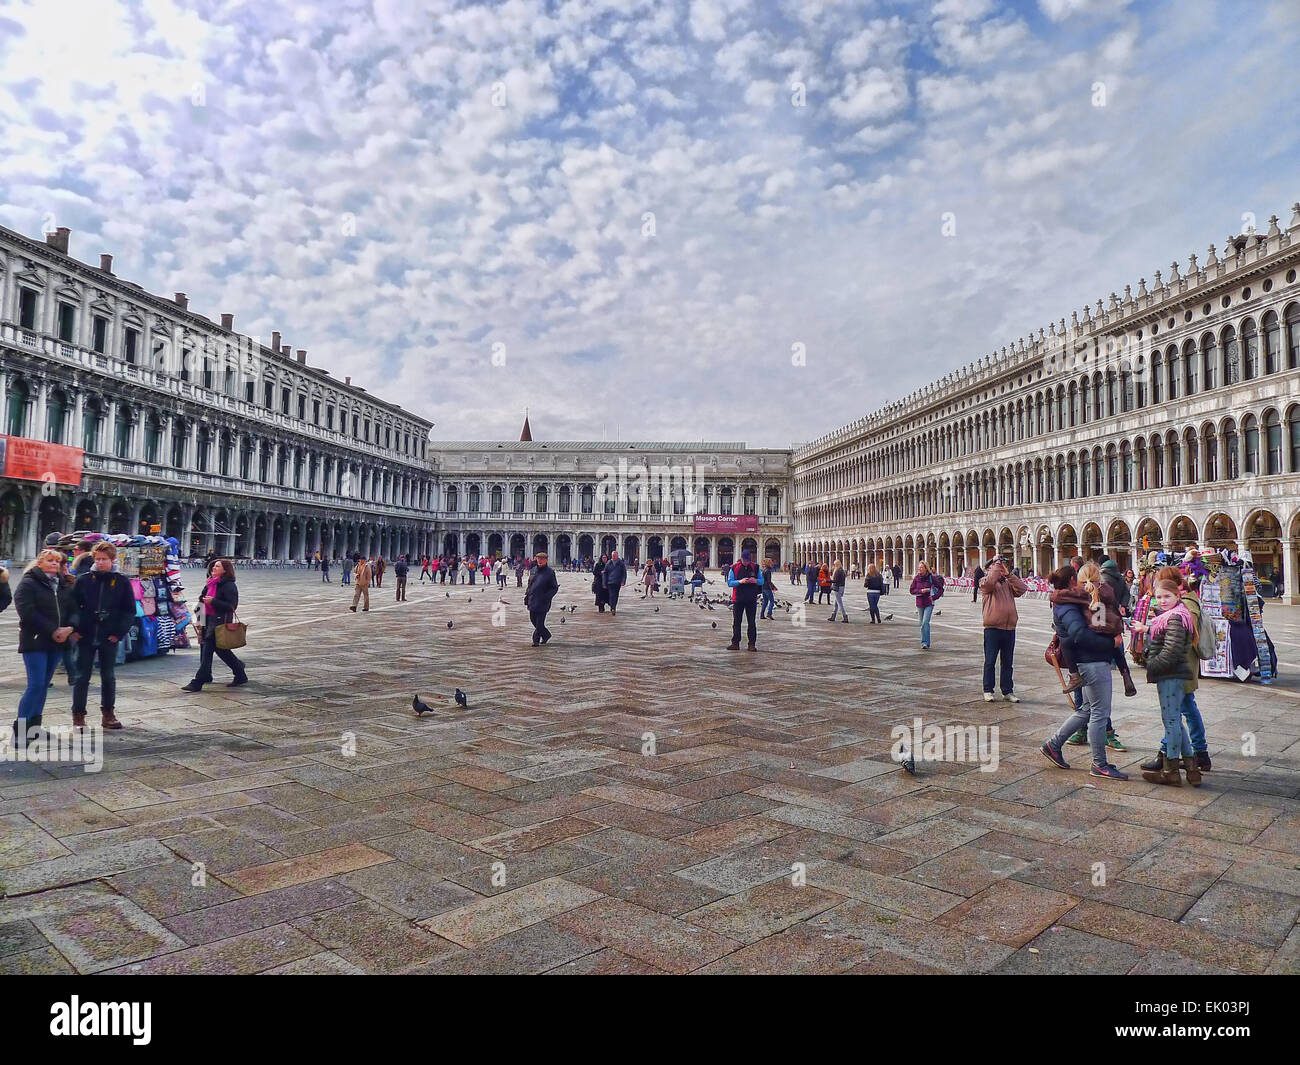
(226, 443)
(645, 500)
(1167, 416)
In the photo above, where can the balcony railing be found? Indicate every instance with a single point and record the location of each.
(173, 385)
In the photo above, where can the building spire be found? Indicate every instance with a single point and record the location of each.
(526, 433)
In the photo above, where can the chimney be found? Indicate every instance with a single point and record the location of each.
(275, 340)
(286, 351)
(347, 380)
(58, 240)
(106, 263)
(302, 356)
(182, 301)
(228, 322)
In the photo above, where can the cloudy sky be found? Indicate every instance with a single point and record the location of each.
(643, 206)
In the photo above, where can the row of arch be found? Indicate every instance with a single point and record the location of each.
(1232, 354)
(1254, 445)
(634, 548)
(114, 427)
(1042, 547)
(238, 532)
(515, 498)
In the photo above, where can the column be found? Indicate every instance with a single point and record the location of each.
(37, 431)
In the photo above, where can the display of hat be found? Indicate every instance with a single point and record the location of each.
(53, 540)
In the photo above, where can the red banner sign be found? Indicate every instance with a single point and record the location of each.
(35, 460)
(726, 523)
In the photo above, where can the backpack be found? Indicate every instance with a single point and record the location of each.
(1206, 639)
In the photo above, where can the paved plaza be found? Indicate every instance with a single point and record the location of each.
(762, 827)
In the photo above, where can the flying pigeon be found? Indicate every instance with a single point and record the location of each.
(462, 699)
(419, 707)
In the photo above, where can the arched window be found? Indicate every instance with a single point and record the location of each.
(751, 501)
(1209, 360)
(496, 499)
(725, 501)
(122, 433)
(1293, 427)
(543, 500)
(1157, 377)
(1211, 454)
(588, 494)
(1231, 449)
(1158, 462)
(1272, 343)
(1125, 468)
(1085, 391)
(1174, 372)
(91, 420)
(517, 499)
(1189, 441)
(453, 498)
(1140, 464)
(1250, 427)
(1231, 356)
(1293, 336)
(1272, 443)
(153, 430)
(56, 416)
(1191, 363)
(773, 503)
(1250, 351)
(473, 499)
(566, 499)
(16, 408)
(1175, 461)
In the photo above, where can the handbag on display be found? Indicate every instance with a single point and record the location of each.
(231, 634)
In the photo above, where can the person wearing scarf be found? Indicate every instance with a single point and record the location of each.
(1170, 634)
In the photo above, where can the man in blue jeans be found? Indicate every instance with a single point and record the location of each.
(810, 571)
(105, 612)
(1000, 589)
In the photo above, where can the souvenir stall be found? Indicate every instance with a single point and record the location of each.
(162, 618)
(1225, 585)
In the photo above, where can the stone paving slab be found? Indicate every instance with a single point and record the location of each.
(237, 832)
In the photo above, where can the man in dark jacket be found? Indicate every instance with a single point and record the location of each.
(399, 571)
(104, 613)
(614, 577)
(542, 586)
(746, 581)
(979, 576)
(810, 575)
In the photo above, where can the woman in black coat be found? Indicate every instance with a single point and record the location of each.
(220, 600)
(598, 583)
(44, 605)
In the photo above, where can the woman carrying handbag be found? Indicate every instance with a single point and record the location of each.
(221, 631)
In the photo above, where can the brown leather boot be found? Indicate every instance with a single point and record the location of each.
(79, 719)
(1166, 774)
(1193, 772)
(110, 720)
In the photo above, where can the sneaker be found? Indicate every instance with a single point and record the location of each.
(1010, 697)
(1115, 743)
(1107, 771)
(1079, 739)
(1053, 755)
(988, 697)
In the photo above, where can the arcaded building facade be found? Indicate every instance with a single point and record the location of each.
(226, 443)
(1166, 416)
(581, 500)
